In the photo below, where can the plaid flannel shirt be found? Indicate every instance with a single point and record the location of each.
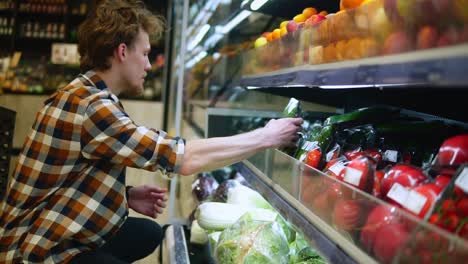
(67, 194)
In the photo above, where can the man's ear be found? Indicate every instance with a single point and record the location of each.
(121, 52)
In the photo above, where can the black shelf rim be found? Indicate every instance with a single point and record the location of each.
(438, 72)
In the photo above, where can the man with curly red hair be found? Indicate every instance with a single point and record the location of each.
(67, 200)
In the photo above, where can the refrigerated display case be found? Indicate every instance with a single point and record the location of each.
(380, 54)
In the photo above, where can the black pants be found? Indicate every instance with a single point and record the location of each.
(136, 239)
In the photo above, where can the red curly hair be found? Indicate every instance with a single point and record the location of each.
(111, 23)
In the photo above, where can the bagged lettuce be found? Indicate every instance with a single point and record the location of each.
(252, 242)
(301, 253)
(243, 195)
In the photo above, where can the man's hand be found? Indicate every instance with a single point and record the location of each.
(147, 200)
(282, 132)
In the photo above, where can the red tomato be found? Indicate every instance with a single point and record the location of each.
(454, 151)
(388, 240)
(380, 216)
(464, 231)
(377, 183)
(448, 206)
(313, 158)
(434, 219)
(425, 256)
(338, 191)
(321, 205)
(442, 181)
(450, 222)
(346, 214)
(380, 174)
(462, 207)
(406, 175)
(357, 174)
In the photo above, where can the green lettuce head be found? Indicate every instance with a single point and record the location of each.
(252, 242)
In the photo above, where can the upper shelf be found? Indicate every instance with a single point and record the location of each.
(435, 68)
(287, 8)
(372, 45)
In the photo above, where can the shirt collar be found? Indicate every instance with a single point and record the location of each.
(92, 78)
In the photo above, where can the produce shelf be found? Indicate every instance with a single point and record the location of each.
(439, 67)
(288, 9)
(292, 187)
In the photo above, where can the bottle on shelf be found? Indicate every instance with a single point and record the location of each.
(83, 8)
(28, 30)
(2, 27)
(36, 30)
(49, 31)
(62, 31)
(54, 31)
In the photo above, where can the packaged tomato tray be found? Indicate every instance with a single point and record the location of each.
(430, 244)
(451, 211)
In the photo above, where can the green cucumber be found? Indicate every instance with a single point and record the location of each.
(362, 116)
(325, 138)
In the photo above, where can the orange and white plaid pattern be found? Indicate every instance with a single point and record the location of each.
(67, 194)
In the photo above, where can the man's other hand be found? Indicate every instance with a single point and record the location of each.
(147, 200)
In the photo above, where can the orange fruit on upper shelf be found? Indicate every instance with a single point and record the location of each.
(323, 13)
(276, 34)
(349, 4)
(309, 11)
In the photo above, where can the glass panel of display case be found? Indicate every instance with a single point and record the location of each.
(380, 229)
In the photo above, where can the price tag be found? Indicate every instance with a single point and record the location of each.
(337, 168)
(308, 146)
(391, 155)
(329, 156)
(321, 78)
(352, 176)
(462, 180)
(398, 193)
(427, 71)
(415, 202)
(366, 74)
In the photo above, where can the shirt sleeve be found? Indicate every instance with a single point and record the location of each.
(109, 133)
